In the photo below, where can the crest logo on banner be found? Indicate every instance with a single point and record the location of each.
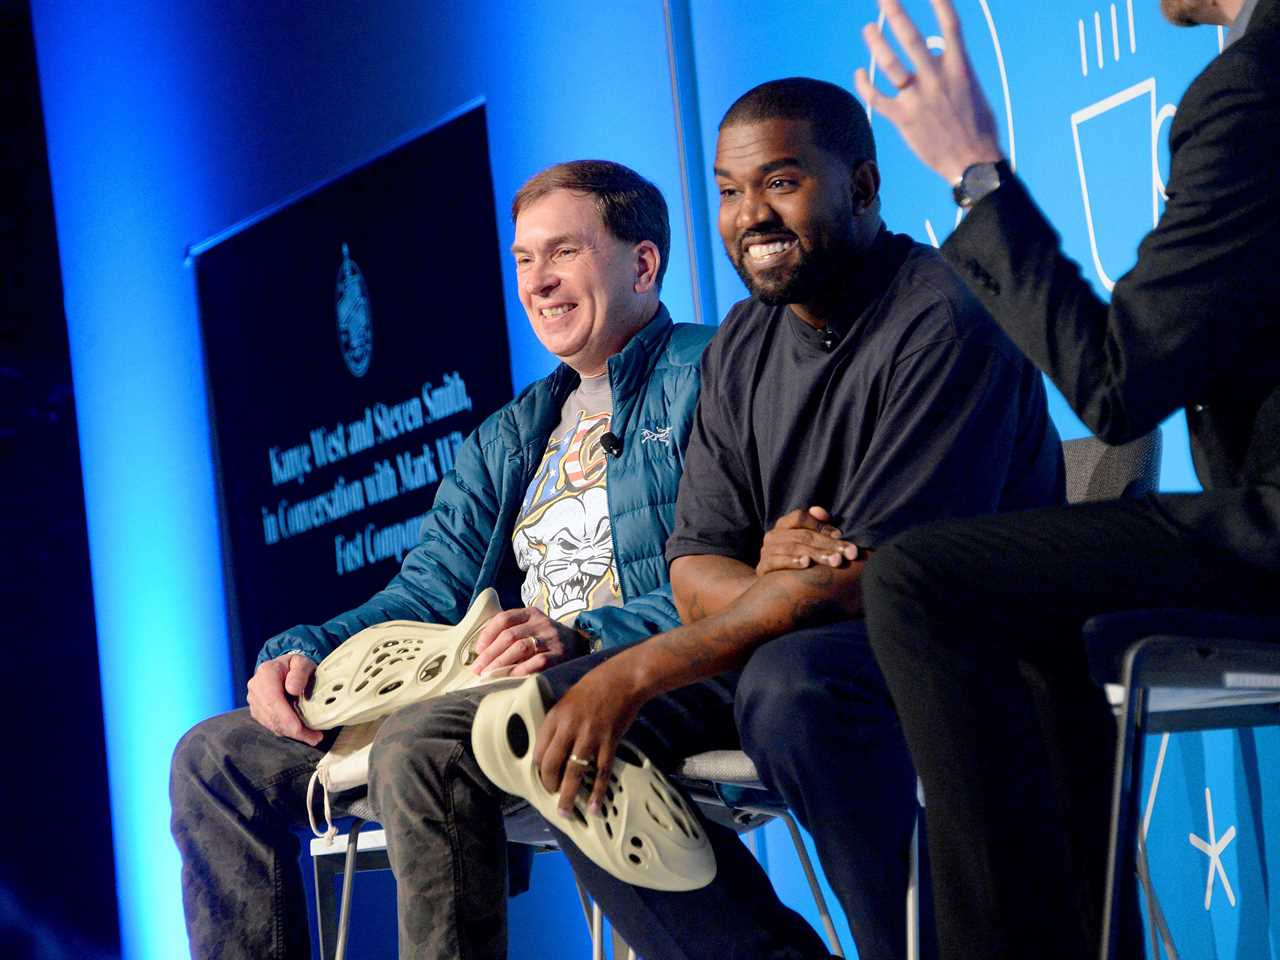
(355, 318)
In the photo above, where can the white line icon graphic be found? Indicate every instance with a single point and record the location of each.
(1213, 848)
(1114, 15)
(1157, 117)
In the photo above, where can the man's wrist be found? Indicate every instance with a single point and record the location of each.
(961, 160)
(643, 673)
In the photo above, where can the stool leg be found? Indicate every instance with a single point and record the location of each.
(595, 921)
(1126, 799)
(323, 870)
(620, 950)
(348, 879)
(597, 932)
(913, 894)
(1158, 927)
(819, 900)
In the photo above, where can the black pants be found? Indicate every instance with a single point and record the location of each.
(813, 713)
(976, 625)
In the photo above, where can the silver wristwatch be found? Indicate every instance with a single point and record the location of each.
(978, 180)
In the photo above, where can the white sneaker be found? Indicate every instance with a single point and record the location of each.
(644, 834)
(389, 665)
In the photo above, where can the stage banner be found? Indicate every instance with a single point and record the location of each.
(353, 336)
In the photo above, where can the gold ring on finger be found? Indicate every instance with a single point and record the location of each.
(585, 764)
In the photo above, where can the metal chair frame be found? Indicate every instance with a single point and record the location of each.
(726, 782)
(1244, 677)
(357, 851)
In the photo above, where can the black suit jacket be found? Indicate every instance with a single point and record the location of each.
(1195, 324)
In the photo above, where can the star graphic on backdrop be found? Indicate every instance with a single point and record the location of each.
(1212, 848)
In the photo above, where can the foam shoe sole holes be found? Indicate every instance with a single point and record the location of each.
(517, 736)
(626, 755)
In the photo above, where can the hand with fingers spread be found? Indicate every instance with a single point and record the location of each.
(804, 538)
(527, 640)
(939, 109)
(580, 734)
(275, 686)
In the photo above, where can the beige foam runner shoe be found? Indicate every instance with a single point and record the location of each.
(389, 665)
(644, 835)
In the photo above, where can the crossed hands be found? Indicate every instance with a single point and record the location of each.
(939, 108)
(806, 538)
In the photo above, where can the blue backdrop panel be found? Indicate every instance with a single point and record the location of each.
(167, 123)
(334, 413)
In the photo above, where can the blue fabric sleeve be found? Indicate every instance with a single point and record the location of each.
(611, 627)
(654, 612)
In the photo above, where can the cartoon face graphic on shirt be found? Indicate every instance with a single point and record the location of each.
(567, 553)
(562, 539)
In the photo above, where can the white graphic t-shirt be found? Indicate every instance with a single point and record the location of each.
(563, 541)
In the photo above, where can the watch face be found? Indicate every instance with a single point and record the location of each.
(978, 180)
(985, 180)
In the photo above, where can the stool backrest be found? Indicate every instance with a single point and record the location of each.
(1098, 471)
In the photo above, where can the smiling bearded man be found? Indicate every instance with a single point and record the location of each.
(859, 391)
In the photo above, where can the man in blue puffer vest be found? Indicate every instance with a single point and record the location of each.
(563, 499)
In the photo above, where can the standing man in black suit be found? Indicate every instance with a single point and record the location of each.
(1017, 774)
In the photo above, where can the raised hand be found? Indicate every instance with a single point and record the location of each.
(939, 108)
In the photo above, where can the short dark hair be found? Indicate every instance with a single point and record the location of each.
(631, 208)
(836, 118)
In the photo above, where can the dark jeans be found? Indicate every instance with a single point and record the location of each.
(976, 625)
(814, 715)
(238, 793)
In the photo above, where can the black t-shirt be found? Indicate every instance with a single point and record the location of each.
(922, 410)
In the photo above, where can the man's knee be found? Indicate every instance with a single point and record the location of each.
(777, 680)
(900, 570)
(417, 742)
(809, 681)
(184, 766)
(207, 749)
